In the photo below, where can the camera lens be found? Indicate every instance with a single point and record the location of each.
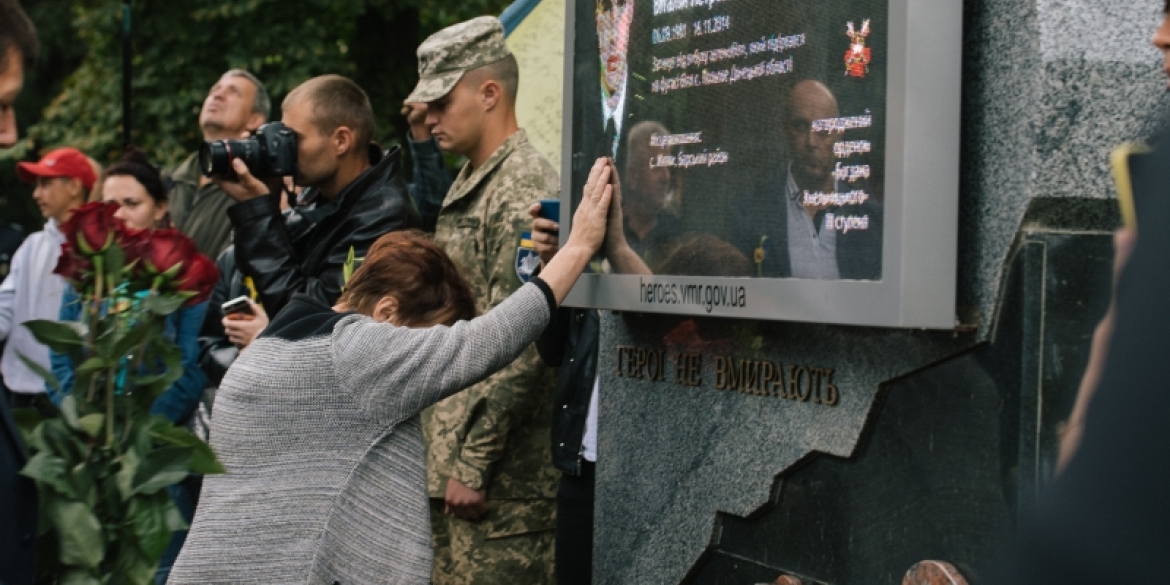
(215, 158)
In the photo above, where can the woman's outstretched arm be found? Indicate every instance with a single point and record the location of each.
(395, 372)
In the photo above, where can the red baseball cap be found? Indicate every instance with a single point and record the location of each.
(62, 162)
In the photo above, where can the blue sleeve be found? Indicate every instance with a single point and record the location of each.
(180, 400)
(431, 180)
(59, 363)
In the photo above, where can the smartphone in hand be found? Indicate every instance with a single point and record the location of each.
(239, 309)
(551, 209)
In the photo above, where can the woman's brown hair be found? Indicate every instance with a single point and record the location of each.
(418, 274)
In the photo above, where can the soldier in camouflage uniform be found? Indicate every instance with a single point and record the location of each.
(489, 475)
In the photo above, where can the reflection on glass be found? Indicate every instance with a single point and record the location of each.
(650, 195)
(812, 220)
(749, 104)
(613, 39)
(706, 255)
(858, 56)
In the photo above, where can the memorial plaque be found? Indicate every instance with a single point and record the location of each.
(711, 473)
(780, 160)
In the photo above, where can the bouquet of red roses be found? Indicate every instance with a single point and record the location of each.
(103, 462)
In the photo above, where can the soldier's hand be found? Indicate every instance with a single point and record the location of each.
(416, 118)
(465, 502)
(545, 234)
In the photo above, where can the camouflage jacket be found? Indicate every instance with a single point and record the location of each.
(495, 435)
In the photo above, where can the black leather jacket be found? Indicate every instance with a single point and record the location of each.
(574, 334)
(216, 353)
(307, 255)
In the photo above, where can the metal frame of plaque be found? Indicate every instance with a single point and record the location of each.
(919, 245)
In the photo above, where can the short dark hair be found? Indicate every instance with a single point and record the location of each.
(337, 101)
(17, 32)
(408, 266)
(135, 164)
(506, 71)
(705, 255)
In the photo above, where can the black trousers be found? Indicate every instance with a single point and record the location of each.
(40, 402)
(18, 400)
(574, 547)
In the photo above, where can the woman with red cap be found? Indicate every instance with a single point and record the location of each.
(63, 181)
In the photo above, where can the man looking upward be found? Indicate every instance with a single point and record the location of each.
(488, 446)
(237, 103)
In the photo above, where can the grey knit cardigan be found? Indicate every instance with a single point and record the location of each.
(317, 424)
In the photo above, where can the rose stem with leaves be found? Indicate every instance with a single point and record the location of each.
(95, 315)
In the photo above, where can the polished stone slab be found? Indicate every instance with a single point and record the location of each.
(1050, 86)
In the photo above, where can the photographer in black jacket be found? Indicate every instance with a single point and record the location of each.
(354, 195)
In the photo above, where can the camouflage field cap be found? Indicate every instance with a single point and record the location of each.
(446, 55)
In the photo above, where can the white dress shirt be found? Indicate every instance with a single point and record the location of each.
(812, 253)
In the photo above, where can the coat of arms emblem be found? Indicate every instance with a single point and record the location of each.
(858, 56)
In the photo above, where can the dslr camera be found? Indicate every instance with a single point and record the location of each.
(270, 152)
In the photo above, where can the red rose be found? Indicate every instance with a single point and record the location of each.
(135, 244)
(199, 275)
(92, 227)
(73, 267)
(166, 249)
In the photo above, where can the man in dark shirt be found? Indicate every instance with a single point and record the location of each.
(650, 196)
(785, 224)
(1104, 518)
(18, 495)
(430, 179)
(10, 238)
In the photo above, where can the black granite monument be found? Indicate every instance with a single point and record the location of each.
(740, 451)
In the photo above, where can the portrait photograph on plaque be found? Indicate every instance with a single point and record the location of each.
(772, 156)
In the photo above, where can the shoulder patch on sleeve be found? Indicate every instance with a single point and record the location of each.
(527, 260)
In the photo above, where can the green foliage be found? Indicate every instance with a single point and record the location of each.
(74, 96)
(182, 46)
(81, 545)
(348, 268)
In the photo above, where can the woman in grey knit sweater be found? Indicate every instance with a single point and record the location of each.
(317, 422)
